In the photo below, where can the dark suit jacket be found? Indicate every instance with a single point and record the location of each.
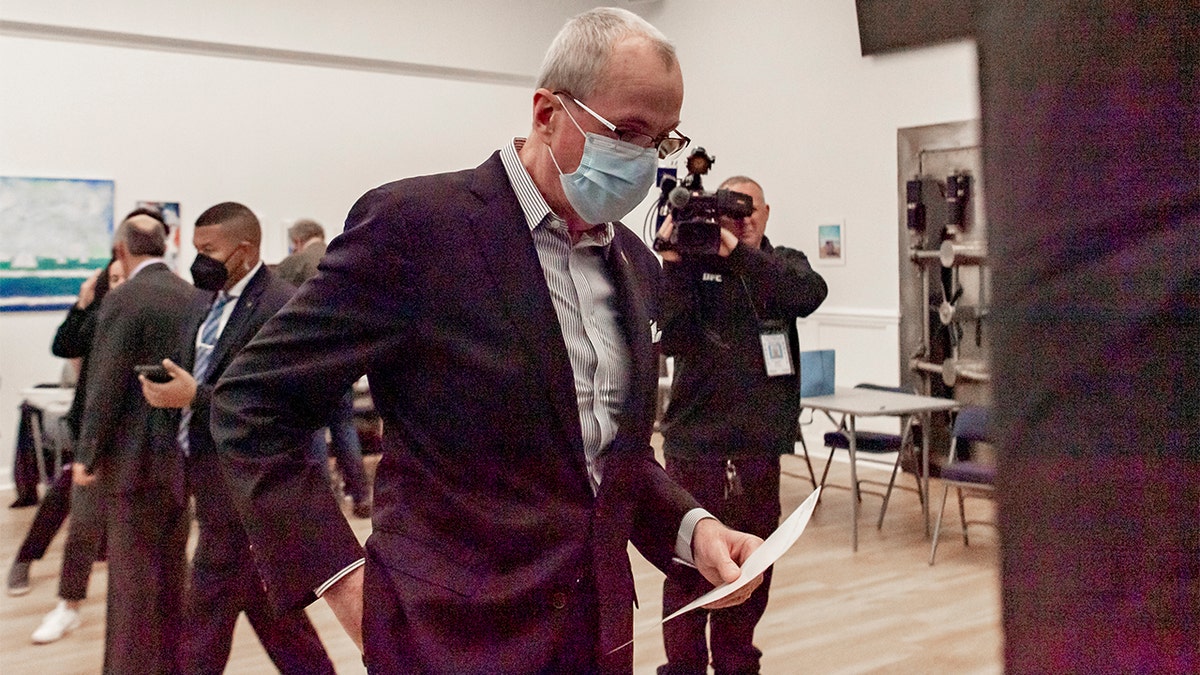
(483, 509)
(301, 265)
(263, 295)
(73, 340)
(130, 445)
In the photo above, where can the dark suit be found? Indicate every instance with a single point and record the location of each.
(132, 450)
(224, 580)
(490, 552)
(301, 265)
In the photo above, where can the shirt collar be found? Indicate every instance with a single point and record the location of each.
(534, 205)
(144, 264)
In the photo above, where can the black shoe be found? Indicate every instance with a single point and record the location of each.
(18, 578)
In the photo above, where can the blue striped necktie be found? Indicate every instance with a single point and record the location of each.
(204, 352)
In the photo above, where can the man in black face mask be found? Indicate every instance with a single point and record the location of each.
(224, 579)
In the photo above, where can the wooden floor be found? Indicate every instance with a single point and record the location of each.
(881, 610)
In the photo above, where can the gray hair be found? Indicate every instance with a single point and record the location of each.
(304, 229)
(142, 236)
(581, 50)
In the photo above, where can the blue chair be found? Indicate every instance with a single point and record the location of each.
(970, 478)
(877, 443)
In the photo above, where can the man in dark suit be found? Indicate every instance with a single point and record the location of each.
(307, 240)
(241, 295)
(506, 324)
(128, 449)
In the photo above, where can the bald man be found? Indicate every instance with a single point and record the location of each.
(128, 449)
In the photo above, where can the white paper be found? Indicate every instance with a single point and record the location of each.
(764, 556)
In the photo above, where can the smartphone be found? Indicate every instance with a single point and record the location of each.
(153, 372)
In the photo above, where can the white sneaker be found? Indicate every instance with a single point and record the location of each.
(56, 624)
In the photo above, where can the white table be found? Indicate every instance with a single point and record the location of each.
(854, 402)
(54, 402)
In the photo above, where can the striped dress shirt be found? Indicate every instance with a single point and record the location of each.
(583, 298)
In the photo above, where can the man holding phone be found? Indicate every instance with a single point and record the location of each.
(240, 295)
(128, 449)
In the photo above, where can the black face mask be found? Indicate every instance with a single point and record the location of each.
(209, 274)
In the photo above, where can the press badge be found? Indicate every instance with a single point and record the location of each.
(776, 354)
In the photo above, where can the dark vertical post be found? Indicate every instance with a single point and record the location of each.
(1091, 135)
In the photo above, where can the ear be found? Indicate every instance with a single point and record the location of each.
(545, 104)
(251, 254)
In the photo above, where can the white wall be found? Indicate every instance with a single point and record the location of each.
(777, 90)
(780, 91)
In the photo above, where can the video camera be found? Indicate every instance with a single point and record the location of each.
(697, 213)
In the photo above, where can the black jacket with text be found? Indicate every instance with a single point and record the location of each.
(713, 312)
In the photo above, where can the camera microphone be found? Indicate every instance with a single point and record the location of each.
(679, 197)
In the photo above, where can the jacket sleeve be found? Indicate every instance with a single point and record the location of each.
(110, 367)
(74, 335)
(781, 281)
(280, 388)
(681, 327)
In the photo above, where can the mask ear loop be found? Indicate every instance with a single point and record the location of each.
(572, 118)
(569, 115)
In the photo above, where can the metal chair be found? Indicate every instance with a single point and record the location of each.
(877, 443)
(970, 478)
(812, 475)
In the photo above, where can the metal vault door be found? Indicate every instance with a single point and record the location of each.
(944, 278)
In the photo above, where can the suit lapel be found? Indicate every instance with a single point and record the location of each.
(238, 322)
(635, 320)
(517, 274)
(192, 328)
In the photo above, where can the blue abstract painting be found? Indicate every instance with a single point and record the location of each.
(54, 232)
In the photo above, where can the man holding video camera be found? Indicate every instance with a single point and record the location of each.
(729, 319)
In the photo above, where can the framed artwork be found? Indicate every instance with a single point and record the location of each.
(831, 244)
(54, 232)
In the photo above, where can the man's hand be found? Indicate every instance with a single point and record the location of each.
(87, 291)
(731, 231)
(179, 392)
(80, 475)
(729, 241)
(345, 598)
(718, 552)
(663, 236)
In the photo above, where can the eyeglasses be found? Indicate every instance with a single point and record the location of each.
(666, 144)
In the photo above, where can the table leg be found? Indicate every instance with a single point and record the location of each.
(906, 423)
(927, 428)
(854, 483)
(38, 450)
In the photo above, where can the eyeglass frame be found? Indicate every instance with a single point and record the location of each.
(625, 134)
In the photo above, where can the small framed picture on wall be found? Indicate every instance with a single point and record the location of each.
(831, 244)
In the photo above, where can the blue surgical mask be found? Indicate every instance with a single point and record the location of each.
(613, 177)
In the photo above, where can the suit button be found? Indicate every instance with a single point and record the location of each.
(558, 600)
